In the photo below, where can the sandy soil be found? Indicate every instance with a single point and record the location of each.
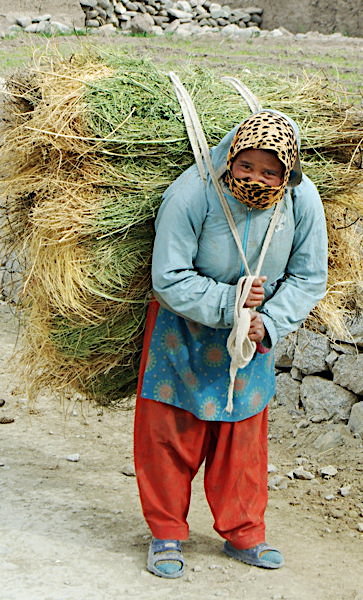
(74, 530)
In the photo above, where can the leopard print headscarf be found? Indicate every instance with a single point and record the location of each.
(262, 131)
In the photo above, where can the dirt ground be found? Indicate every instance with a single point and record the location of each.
(73, 529)
(71, 525)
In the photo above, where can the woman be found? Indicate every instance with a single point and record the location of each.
(182, 417)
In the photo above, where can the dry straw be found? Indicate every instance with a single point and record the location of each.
(89, 145)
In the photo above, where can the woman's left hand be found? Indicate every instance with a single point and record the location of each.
(257, 329)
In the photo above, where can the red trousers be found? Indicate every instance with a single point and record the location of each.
(170, 446)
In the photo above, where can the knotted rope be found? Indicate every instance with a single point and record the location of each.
(240, 348)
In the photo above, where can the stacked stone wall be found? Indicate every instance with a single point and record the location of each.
(166, 16)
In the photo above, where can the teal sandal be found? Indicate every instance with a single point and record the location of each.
(262, 555)
(165, 558)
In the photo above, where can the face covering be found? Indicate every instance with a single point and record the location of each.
(263, 131)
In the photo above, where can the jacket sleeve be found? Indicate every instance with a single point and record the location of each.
(304, 282)
(176, 283)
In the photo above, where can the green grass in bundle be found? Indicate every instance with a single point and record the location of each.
(91, 144)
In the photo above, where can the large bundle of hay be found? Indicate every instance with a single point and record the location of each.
(89, 145)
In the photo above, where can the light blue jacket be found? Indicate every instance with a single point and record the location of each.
(196, 263)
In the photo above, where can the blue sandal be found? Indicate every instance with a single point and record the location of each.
(262, 555)
(165, 558)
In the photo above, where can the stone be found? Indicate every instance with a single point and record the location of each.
(187, 29)
(284, 351)
(275, 33)
(24, 21)
(107, 29)
(360, 527)
(256, 19)
(278, 482)
(248, 33)
(354, 331)
(179, 14)
(172, 27)
(125, 25)
(91, 14)
(200, 10)
(61, 28)
(101, 13)
(89, 3)
(355, 328)
(355, 423)
(131, 6)
(323, 400)
(240, 15)
(141, 7)
(142, 24)
(220, 13)
(331, 358)
(230, 30)
(40, 18)
(161, 21)
(73, 457)
(345, 490)
(15, 29)
(311, 351)
(105, 4)
(157, 30)
(128, 470)
(301, 473)
(113, 21)
(343, 348)
(328, 471)
(40, 27)
(327, 441)
(204, 23)
(285, 32)
(184, 6)
(348, 372)
(92, 23)
(296, 374)
(287, 390)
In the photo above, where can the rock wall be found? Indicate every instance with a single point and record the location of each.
(299, 16)
(320, 380)
(166, 16)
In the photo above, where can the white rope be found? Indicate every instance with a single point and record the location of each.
(241, 349)
(191, 116)
(253, 103)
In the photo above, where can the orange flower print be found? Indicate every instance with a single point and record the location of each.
(255, 401)
(171, 340)
(239, 385)
(164, 391)
(214, 355)
(209, 408)
(190, 379)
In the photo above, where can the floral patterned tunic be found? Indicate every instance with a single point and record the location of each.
(188, 366)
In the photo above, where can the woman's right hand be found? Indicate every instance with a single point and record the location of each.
(257, 293)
